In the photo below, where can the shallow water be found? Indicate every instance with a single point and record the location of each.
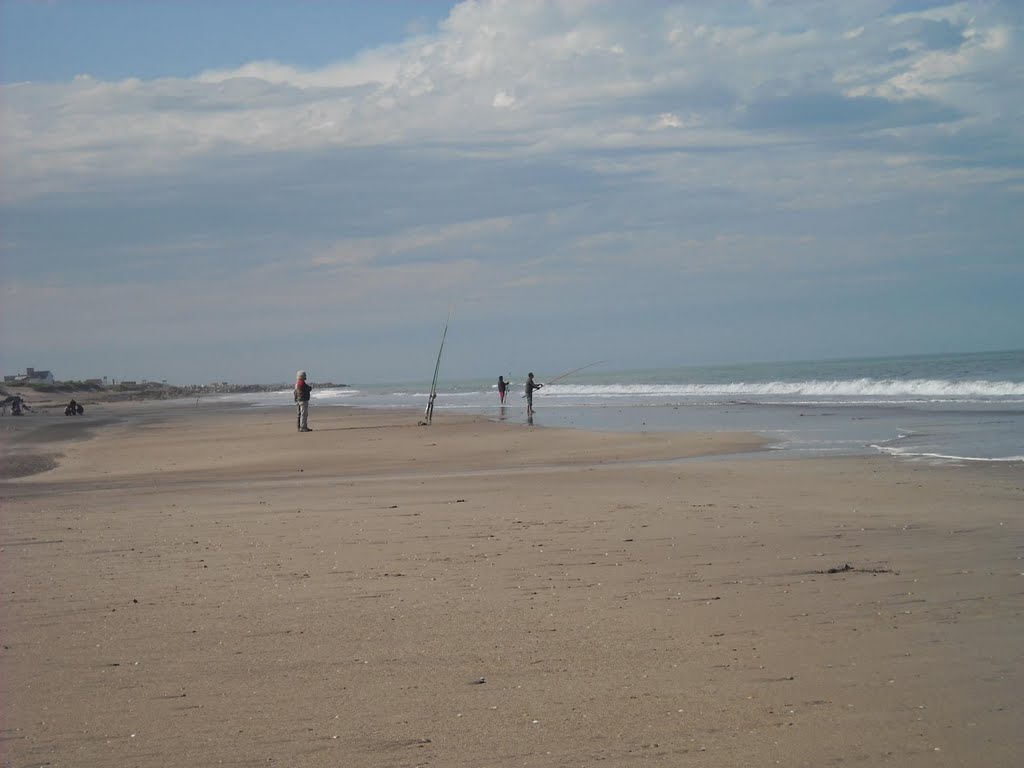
(941, 407)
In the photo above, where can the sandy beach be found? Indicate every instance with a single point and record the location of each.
(196, 586)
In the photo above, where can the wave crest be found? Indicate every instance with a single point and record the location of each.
(852, 388)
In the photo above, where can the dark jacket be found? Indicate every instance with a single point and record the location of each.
(302, 390)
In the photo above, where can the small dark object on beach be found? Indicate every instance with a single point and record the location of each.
(847, 568)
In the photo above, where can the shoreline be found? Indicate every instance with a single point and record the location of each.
(68, 436)
(914, 431)
(27, 438)
(44, 428)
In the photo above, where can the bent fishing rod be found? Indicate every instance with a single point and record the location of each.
(570, 373)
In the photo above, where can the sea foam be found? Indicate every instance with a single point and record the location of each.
(846, 388)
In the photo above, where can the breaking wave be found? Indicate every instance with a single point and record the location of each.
(852, 388)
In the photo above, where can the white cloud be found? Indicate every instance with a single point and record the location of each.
(504, 100)
(371, 68)
(944, 75)
(579, 75)
(668, 120)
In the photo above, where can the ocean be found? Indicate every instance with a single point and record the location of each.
(936, 408)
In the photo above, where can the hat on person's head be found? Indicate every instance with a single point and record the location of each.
(300, 375)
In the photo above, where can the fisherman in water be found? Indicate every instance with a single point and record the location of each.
(530, 386)
(502, 389)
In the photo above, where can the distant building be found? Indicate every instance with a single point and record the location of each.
(39, 377)
(30, 376)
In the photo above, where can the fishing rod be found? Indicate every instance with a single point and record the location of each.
(428, 414)
(570, 373)
(574, 370)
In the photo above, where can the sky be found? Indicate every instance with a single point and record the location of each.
(230, 191)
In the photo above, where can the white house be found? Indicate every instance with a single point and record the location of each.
(31, 376)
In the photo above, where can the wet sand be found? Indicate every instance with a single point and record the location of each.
(199, 586)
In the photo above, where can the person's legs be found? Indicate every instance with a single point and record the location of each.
(303, 415)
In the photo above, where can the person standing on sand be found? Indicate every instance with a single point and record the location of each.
(302, 390)
(530, 386)
(502, 388)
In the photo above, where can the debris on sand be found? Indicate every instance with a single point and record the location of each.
(847, 568)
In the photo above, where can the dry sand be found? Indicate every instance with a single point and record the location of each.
(198, 587)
